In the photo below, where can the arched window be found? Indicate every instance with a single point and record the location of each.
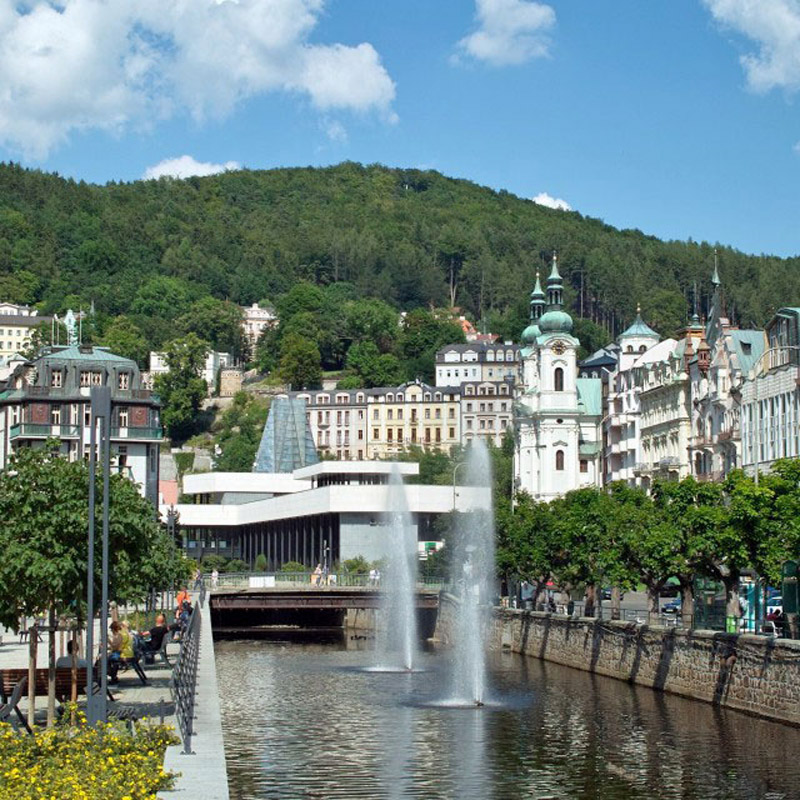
(643, 348)
(629, 349)
(558, 379)
(560, 460)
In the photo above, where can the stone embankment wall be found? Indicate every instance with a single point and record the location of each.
(755, 674)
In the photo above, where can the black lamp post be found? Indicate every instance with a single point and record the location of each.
(96, 710)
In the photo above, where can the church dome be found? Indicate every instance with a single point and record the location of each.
(555, 321)
(530, 334)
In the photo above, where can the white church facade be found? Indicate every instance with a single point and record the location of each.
(557, 414)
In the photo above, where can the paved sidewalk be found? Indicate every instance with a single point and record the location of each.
(204, 772)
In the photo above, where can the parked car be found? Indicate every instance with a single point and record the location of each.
(673, 607)
(605, 593)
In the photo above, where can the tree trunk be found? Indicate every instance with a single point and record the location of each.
(653, 596)
(591, 595)
(616, 600)
(73, 689)
(687, 603)
(33, 639)
(51, 668)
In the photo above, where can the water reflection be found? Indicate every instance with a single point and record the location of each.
(301, 721)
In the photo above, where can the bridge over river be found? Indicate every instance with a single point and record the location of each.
(309, 606)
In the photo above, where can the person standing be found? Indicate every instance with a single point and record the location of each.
(214, 578)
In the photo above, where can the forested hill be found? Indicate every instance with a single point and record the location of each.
(410, 237)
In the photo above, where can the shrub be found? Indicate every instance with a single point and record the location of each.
(80, 761)
(294, 566)
(237, 565)
(261, 563)
(356, 566)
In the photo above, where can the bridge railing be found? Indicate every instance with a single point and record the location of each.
(288, 580)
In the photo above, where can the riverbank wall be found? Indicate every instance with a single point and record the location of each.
(755, 674)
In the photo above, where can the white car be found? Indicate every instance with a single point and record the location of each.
(774, 604)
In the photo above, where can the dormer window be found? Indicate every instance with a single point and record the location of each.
(56, 379)
(124, 380)
(97, 379)
(86, 378)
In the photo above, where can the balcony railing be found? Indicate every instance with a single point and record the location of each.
(136, 433)
(29, 430)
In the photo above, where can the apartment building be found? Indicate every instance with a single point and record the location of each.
(487, 411)
(477, 362)
(50, 398)
(360, 424)
(16, 325)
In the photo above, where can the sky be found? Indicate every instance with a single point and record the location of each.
(677, 118)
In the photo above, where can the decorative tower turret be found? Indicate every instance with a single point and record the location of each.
(537, 308)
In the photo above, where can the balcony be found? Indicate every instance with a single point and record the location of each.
(136, 433)
(27, 430)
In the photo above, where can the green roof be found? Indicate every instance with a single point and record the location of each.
(83, 353)
(590, 395)
(638, 328)
(741, 340)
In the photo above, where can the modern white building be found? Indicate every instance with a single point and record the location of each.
(329, 511)
(770, 418)
(557, 419)
(16, 325)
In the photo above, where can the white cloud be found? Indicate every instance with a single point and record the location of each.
(509, 31)
(796, 148)
(774, 26)
(74, 65)
(186, 166)
(544, 199)
(334, 130)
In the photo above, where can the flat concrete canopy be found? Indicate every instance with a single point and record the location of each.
(311, 598)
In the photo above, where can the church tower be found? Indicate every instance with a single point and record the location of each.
(557, 413)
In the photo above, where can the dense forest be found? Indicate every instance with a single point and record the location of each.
(149, 250)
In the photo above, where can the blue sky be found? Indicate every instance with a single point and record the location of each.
(677, 118)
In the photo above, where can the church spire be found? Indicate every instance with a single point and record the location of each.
(537, 299)
(555, 286)
(715, 281)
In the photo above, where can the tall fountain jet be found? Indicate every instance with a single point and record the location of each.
(397, 641)
(473, 573)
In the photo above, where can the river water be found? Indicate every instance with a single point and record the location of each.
(301, 720)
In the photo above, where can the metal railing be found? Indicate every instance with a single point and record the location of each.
(288, 580)
(183, 684)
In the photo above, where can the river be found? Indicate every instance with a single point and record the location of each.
(301, 720)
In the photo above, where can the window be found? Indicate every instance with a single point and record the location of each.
(399, 413)
(438, 434)
(389, 436)
(319, 418)
(560, 460)
(86, 378)
(469, 426)
(427, 435)
(375, 414)
(469, 407)
(124, 380)
(374, 433)
(427, 413)
(55, 379)
(584, 465)
(338, 416)
(389, 414)
(123, 418)
(558, 379)
(399, 434)
(361, 436)
(55, 415)
(97, 379)
(451, 413)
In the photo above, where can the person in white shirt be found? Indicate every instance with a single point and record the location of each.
(66, 661)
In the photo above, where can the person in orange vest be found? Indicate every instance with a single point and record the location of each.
(183, 597)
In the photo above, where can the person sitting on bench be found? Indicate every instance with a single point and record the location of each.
(66, 661)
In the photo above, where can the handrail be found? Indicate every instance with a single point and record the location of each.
(183, 683)
(240, 580)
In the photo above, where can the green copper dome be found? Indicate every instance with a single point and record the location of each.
(555, 321)
(530, 334)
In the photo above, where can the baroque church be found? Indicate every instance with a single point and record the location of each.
(557, 414)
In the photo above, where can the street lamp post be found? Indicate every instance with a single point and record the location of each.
(757, 424)
(100, 410)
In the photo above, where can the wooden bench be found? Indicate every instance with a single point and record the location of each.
(9, 678)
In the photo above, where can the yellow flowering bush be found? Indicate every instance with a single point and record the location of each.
(79, 762)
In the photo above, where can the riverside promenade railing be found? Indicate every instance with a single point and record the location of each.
(288, 580)
(183, 684)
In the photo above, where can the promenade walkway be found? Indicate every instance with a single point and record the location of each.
(203, 775)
